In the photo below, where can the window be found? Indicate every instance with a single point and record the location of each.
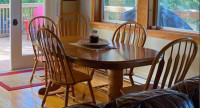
(180, 14)
(119, 10)
(148, 15)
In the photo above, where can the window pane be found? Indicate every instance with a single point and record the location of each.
(119, 10)
(181, 14)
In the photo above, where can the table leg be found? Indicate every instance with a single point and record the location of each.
(115, 83)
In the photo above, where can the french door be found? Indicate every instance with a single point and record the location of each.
(21, 11)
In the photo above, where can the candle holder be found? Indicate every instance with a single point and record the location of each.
(94, 39)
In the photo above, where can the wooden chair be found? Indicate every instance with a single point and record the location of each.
(59, 69)
(132, 33)
(169, 66)
(72, 24)
(34, 25)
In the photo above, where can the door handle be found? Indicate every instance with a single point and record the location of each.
(15, 22)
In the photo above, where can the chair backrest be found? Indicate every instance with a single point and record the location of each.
(72, 24)
(172, 63)
(34, 25)
(130, 32)
(55, 55)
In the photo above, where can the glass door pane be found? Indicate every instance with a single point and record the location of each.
(22, 11)
(4, 36)
(30, 9)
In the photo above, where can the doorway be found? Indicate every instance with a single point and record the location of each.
(15, 47)
(21, 49)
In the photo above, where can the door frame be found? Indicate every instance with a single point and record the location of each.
(18, 60)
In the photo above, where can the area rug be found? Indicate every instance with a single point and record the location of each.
(20, 79)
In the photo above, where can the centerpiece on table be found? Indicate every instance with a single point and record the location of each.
(94, 41)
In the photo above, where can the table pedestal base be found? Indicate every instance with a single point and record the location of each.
(115, 83)
(54, 87)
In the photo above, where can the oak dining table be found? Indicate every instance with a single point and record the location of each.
(118, 57)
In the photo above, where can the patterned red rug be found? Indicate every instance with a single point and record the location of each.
(20, 79)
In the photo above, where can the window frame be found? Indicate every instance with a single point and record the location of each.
(146, 15)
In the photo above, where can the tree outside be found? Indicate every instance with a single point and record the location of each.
(23, 1)
(186, 7)
(27, 13)
(180, 4)
(183, 7)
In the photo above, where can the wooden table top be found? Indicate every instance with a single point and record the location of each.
(125, 56)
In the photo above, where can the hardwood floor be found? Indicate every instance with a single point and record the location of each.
(29, 98)
(5, 51)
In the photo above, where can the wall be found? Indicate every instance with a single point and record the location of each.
(153, 43)
(53, 11)
(70, 6)
(85, 9)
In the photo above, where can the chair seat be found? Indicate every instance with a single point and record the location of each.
(135, 88)
(78, 77)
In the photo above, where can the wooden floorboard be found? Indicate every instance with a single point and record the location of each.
(29, 98)
(5, 51)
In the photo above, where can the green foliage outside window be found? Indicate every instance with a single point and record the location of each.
(170, 4)
(184, 6)
(4, 1)
(124, 3)
(180, 4)
(23, 1)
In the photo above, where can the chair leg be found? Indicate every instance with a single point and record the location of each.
(131, 76)
(46, 93)
(34, 69)
(131, 80)
(87, 70)
(91, 91)
(73, 94)
(83, 97)
(46, 75)
(66, 95)
(92, 73)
